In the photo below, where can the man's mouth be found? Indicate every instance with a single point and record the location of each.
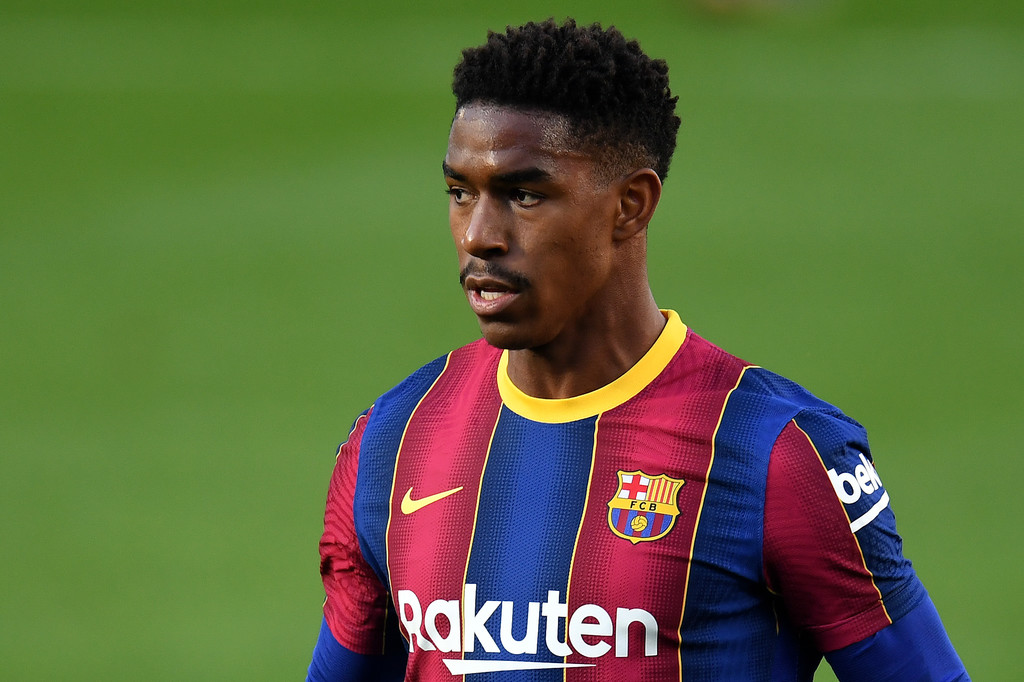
(487, 301)
(491, 289)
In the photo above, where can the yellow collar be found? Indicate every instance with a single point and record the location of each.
(561, 410)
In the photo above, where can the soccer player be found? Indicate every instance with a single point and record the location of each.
(593, 491)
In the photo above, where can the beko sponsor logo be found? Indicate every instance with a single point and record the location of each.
(863, 481)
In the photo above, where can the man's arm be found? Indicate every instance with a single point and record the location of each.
(334, 663)
(913, 649)
(832, 553)
(355, 642)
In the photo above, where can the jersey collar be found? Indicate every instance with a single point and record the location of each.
(636, 378)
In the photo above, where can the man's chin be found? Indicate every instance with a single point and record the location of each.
(505, 335)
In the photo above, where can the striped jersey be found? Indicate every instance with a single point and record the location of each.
(697, 518)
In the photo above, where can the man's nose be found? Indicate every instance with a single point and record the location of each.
(486, 234)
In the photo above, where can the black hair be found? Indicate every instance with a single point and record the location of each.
(615, 98)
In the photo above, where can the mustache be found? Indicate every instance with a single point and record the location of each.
(488, 269)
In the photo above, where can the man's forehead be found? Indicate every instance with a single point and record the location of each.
(480, 126)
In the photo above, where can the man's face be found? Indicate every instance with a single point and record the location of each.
(532, 226)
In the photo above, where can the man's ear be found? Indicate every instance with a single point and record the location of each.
(639, 194)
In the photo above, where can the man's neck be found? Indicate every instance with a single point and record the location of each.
(597, 354)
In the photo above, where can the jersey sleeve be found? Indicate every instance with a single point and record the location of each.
(357, 603)
(831, 550)
(334, 663)
(915, 648)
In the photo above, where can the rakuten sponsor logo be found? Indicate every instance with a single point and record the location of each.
(590, 630)
(850, 487)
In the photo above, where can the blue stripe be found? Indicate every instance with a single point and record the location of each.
(729, 626)
(383, 435)
(532, 497)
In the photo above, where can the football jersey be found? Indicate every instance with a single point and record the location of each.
(697, 518)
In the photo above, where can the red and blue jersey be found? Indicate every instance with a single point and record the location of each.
(697, 518)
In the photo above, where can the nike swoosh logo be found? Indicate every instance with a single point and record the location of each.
(410, 505)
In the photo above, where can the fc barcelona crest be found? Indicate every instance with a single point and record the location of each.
(644, 507)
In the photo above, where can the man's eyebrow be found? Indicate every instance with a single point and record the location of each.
(514, 177)
(523, 175)
(450, 172)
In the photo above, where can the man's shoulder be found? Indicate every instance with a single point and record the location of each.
(477, 357)
(766, 391)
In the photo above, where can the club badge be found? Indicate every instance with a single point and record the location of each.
(644, 507)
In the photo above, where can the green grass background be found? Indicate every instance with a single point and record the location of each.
(223, 233)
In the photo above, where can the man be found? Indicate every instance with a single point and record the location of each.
(593, 491)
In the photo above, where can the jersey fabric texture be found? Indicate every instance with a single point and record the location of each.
(698, 518)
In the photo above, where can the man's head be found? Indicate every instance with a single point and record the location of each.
(554, 159)
(615, 99)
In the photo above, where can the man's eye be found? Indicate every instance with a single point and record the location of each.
(457, 194)
(524, 198)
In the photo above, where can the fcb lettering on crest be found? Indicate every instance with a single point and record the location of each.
(644, 507)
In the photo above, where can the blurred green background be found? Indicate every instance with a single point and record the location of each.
(223, 234)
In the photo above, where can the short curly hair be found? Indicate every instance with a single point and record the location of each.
(615, 98)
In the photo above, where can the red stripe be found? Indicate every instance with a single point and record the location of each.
(807, 530)
(614, 572)
(441, 532)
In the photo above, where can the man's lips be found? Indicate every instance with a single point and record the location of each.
(488, 296)
(490, 287)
